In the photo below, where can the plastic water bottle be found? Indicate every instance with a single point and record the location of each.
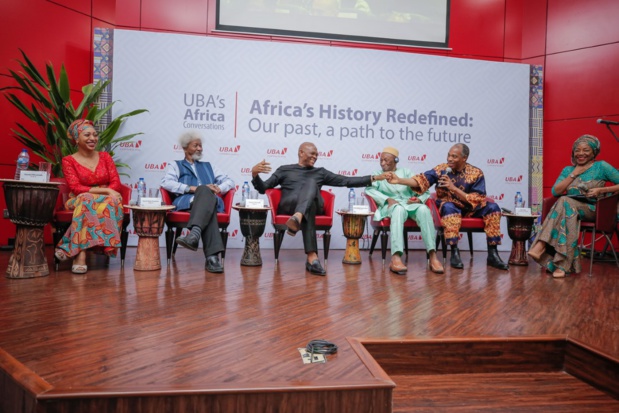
(244, 193)
(518, 200)
(23, 160)
(351, 199)
(141, 190)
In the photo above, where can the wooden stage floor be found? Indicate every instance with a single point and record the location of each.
(185, 335)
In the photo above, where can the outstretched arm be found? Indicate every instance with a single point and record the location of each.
(411, 182)
(260, 185)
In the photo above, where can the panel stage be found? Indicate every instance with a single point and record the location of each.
(182, 339)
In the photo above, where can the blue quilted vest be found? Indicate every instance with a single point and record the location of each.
(188, 177)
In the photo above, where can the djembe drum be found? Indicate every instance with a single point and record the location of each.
(353, 226)
(252, 222)
(148, 223)
(31, 207)
(519, 228)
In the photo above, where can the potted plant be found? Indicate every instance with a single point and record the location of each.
(51, 110)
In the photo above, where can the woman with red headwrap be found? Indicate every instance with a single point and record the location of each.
(95, 199)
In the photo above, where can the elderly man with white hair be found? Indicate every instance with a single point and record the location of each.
(196, 185)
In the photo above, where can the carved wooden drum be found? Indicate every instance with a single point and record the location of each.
(252, 222)
(148, 223)
(519, 229)
(31, 207)
(353, 226)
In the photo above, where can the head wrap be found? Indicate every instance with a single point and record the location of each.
(75, 128)
(392, 150)
(590, 140)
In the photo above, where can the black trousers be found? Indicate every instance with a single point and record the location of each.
(203, 213)
(307, 203)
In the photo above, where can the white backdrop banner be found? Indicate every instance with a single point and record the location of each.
(254, 100)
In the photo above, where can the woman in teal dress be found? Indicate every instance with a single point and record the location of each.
(556, 246)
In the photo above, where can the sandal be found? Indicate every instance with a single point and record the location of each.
(399, 269)
(79, 269)
(558, 274)
(61, 255)
(293, 226)
(437, 270)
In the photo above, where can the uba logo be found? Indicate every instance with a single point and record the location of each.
(416, 158)
(155, 166)
(370, 156)
(130, 145)
(276, 152)
(496, 162)
(245, 171)
(415, 237)
(178, 148)
(269, 235)
(496, 197)
(229, 150)
(513, 179)
(348, 173)
(327, 154)
(233, 234)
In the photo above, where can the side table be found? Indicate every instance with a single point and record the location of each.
(252, 222)
(31, 207)
(519, 228)
(353, 226)
(148, 223)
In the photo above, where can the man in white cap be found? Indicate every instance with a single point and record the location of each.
(399, 202)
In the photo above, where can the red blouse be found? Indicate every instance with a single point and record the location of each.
(80, 179)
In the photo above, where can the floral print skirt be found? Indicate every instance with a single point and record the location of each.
(96, 225)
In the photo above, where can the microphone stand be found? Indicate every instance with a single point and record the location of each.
(613, 133)
(607, 245)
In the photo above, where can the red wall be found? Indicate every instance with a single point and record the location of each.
(577, 41)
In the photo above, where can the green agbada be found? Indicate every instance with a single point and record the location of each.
(380, 191)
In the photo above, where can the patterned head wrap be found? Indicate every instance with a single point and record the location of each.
(590, 140)
(74, 129)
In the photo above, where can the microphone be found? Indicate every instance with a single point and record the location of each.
(608, 122)
(448, 170)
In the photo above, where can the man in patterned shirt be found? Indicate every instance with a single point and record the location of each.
(461, 191)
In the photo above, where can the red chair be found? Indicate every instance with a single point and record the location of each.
(469, 225)
(176, 221)
(605, 223)
(382, 227)
(63, 217)
(323, 222)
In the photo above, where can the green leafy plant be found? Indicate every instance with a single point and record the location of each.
(49, 106)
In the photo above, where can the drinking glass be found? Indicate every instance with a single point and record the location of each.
(47, 168)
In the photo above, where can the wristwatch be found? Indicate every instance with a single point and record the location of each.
(572, 176)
